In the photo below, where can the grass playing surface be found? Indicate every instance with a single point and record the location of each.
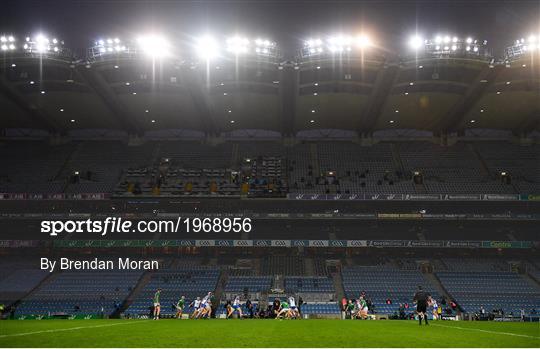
(264, 333)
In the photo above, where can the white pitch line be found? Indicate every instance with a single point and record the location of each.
(486, 331)
(68, 329)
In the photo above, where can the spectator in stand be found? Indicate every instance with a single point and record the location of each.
(388, 301)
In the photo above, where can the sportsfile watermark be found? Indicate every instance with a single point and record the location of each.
(111, 225)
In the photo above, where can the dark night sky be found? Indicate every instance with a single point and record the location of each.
(390, 23)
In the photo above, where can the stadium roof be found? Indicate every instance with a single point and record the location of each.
(374, 92)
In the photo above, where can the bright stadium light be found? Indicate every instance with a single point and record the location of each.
(264, 47)
(108, 46)
(154, 46)
(238, 45)
(363, 41)
(207, 47)
(340, 43)
(7, 43)
(42, 44)
(416, 42)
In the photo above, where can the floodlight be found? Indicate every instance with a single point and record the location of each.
(469, 40)
(415, 42)
(438, 39)
(237, 45)
(446, 39)
(154, 45)
(207, 47)
(363, 41)
(531, 38)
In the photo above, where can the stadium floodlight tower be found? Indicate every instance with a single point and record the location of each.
(340, 44)
(238, 45)
(154, 46)
(443, 46)
(7, 43)
(43, 45)
(107, 47)
(523, 47)
(207, 48)
(259, 48)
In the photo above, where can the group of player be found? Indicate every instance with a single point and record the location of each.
(202, 307)
(288, 310)
(358, 309)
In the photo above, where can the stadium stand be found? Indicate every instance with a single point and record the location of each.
(491, 290)
(17, 279)
(177, 168)
(80, 292)
(382, 282)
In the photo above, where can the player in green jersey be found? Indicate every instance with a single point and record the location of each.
(283, 310)
(180, 307)
(362, 308)
(157, 305)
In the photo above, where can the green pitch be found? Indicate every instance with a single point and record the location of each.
(264, 333)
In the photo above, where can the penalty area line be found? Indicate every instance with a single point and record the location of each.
(68, 329)
(486, 331)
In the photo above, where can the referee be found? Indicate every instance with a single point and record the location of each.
(421, 298)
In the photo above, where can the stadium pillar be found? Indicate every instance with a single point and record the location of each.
(289, 83)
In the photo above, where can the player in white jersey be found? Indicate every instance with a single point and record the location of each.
(206, 306)
(196, 304)
(292, 306)
(236, 306)
(435, 309)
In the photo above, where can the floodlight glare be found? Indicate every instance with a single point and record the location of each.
(237, 45)
(415, 42)
(363, 41)
(207, 47)
(154, 46)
